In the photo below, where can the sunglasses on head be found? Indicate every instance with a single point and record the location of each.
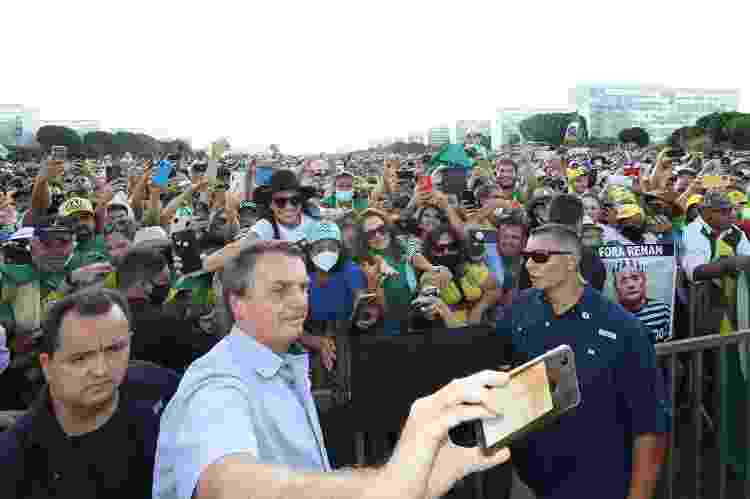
(542, 256)
(371, 234)
(296, 201)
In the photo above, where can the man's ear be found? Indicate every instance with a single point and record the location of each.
(44, 360)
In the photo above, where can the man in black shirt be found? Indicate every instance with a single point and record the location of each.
(92, 432)
(159, 336)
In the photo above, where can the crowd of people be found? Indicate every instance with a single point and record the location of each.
(116, 281)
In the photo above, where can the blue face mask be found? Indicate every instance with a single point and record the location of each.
(344, 196)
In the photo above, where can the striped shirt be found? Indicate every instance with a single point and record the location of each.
(656, 316)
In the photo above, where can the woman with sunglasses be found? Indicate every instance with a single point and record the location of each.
(390, 275)
(281, 206)
(472, 290)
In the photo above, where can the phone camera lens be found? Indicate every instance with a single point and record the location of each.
(564, 361)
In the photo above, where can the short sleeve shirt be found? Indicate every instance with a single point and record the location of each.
(240, 398)
(588, 451)
(263, 229)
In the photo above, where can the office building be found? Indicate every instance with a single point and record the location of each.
(81, 127)
(439, 135)
(18, 124)
(610, 107)
(509, 119)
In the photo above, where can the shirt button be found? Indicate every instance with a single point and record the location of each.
(586, 315)
(56, 476)
(546, 324)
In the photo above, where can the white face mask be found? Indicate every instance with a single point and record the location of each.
(325, 260)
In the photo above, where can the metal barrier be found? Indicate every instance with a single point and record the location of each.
(690, 439)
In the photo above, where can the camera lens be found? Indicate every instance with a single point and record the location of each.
(564, 361)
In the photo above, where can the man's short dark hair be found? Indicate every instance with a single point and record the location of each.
(89, 302)
(566, 209)
(564, 235)
(142, 262)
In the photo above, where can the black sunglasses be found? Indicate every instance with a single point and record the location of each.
(542, 256)
(282, 202)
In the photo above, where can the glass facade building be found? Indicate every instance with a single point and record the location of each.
(609, 108)
(18, 124)
(439, 135)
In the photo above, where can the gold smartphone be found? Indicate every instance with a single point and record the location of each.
(538, 392)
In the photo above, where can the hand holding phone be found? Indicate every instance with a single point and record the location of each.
(538, 393)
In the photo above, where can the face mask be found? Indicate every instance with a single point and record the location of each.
(344, 196)
(326, 260)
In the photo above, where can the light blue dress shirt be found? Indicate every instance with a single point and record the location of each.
(239, 398)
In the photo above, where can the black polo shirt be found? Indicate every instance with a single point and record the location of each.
(38, 459)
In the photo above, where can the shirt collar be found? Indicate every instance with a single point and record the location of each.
(264, 361)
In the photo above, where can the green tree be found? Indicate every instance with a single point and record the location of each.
(738, 131)
(550, 128)
(716, 124)
(53, 135)
(100, 143)
(635, 134)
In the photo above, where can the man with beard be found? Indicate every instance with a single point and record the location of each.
(89, 246)
(159, 337)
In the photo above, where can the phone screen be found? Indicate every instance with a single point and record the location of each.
(526, 398)
(263, 175)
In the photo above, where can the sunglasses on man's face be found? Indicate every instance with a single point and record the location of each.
(377, 231)
(542, 256)
(442, 249)
(281, 203)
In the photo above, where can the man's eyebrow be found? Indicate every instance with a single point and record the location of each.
(282, 282)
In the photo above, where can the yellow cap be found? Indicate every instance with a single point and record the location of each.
(76, 205)
(628, 210)
(737, 198)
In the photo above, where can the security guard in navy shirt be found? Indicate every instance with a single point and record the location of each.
(612, 444)
(93, 431)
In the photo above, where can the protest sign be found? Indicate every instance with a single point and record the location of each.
(641, 278)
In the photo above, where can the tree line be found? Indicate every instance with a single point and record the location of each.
(101, 143)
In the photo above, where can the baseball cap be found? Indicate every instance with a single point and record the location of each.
(716, 200)
(628, 210)
(737, 198)
(324, 231)
(76, 205)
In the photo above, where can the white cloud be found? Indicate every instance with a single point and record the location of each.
(312, 76)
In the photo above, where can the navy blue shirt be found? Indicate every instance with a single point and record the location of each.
(39, 460)
(588, 452)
